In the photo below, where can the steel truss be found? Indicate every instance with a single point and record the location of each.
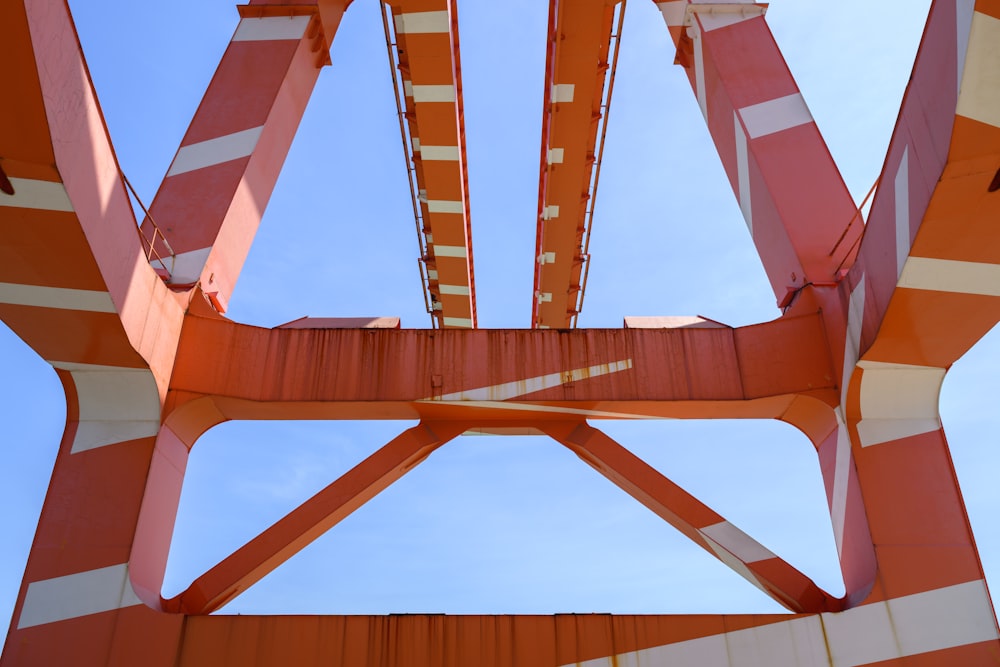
(874, 315)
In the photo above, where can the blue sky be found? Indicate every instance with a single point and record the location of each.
(487, 524)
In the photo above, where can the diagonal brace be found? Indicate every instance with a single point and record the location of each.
(301, 526)
(694, 519)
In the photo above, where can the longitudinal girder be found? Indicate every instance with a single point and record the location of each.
(133, 322)
(426, 55)
(579, 77)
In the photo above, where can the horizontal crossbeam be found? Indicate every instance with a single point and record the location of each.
(254, 373)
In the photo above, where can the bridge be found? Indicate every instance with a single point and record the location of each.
(872, 314)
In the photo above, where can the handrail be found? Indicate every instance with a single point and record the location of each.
(151, 253)
(592, 192)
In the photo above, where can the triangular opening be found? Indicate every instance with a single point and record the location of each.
(338, 230)
(762, 475)
(668, 236)
(494, 525)
(243, 476)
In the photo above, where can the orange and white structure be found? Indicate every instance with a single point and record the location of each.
(428, 77)
(130, 313)
(581, 56)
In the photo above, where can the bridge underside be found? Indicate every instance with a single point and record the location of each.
(131, 315)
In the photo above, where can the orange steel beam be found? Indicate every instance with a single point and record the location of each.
(932, 289)
(856, 365)
(803, 221)
(923, 290)
(214, 193)
(412, 373)
(576, 68)
(428, 56)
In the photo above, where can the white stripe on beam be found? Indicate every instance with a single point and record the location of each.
(456, 290)
(841, 477)
(901, 193)
(445, 93)
(735, 564)
(911, 625)
(931, 621)
(271, 28)
(115, 404)
(550, 212)
(545, 409)
(736, 549)
(41, 195)
(555, 155)
(694, 32)
(949, 275)
(964, 10)
(562, 92)
(508, 390)
(898, 401)
(979, 95)
(445, 206)
(414, 23)
(721, 15)
(94, 434)
(449, 251)
(460, 322)
(736, 542)
(449, 153)
(186, 267)
(775, 115)
(56, 297)
(743, 172)
(673, 12)
(843, 457)
(215, 151)
(75, 595)
(852, 342)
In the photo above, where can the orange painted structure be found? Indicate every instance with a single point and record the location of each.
(579, 79)
(874, 315)
(426, 63)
